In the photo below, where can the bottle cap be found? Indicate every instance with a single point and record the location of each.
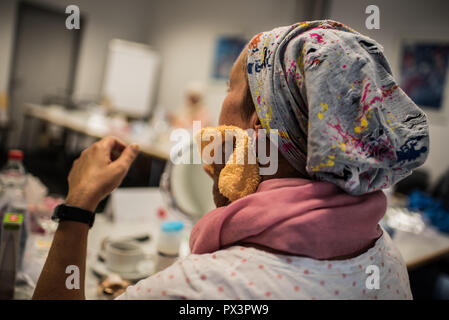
(172, 226)
(15, 154)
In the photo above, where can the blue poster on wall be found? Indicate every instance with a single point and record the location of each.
(227, 50)
(424, 73)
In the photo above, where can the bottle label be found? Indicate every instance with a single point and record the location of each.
(12, 220)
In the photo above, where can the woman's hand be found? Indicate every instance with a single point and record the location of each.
(98, 171)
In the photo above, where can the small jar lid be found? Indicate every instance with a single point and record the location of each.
(15, 154)
(172, 226)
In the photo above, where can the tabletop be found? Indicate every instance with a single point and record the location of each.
(80, 121)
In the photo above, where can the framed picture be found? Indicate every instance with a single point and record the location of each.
(424, 74)
(227, 50)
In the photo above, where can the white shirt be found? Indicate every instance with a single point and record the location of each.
(248, 273)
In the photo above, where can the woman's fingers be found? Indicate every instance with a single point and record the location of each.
(112, 143)
(113, 147)
(126, 158)
(97, 171)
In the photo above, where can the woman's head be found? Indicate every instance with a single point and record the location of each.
(238, 108)
(329, 93)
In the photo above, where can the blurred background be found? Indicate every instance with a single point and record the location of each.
(137, 69)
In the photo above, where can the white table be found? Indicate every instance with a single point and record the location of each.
(102, 228)
(135, 213)
(78, 121)
(420, 249)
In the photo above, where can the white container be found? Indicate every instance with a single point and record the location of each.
(169, 241)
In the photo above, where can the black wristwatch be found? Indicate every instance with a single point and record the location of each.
(64, 212)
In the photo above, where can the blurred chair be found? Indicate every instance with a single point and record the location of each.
(187, 188)
(418, 180)
(441, 190)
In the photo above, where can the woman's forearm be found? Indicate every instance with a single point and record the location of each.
(67, 254)
(93, 176)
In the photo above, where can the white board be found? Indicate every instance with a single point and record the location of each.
(131, 76)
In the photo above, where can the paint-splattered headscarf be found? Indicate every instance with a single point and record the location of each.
(329, 92)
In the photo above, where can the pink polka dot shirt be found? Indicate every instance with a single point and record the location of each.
(248, 273)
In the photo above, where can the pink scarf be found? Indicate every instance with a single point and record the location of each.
(302, 217)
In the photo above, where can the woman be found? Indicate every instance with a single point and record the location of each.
(341, 119)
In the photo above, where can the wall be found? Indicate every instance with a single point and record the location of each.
(104, 21)
(185, 32)
(401, 19)
(170, 26)
(7, 20)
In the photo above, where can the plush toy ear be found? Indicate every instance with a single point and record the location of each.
(240, 176)
(203, 143)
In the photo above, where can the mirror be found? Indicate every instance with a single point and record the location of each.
(186, 188)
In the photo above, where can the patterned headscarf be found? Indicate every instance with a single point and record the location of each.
(340, 115)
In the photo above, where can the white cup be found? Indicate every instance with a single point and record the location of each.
(123, 256)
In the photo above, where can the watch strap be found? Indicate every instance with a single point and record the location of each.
(65, 212)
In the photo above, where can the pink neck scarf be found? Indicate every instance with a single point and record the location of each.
(297, 216)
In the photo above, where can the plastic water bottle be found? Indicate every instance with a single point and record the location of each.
(13, 174)
(13, 180)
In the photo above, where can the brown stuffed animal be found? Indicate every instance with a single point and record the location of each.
(240, 174)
